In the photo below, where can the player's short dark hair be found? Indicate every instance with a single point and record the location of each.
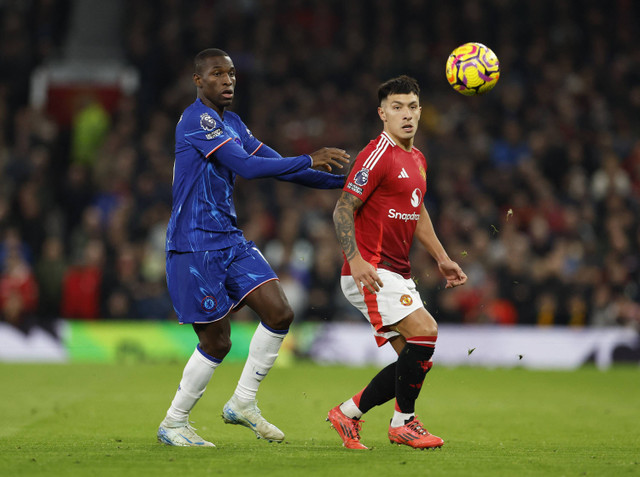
(198, 61)
(401, 85)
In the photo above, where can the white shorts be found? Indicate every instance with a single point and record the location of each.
(397, 299)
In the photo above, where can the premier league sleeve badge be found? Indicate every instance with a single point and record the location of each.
(207, 122)
(362, 177)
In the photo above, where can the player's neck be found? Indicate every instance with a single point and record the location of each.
(217, 109)
(404, 143)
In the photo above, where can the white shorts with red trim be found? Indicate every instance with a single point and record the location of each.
(397, 299)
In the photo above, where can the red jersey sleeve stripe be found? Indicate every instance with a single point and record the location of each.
(257, 148)
(371, 161)
(393, 143)
(382, 151)
(218, 147)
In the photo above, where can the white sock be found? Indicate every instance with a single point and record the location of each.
(350, 409)
(263, 352)
(400, 418)
(197, 374)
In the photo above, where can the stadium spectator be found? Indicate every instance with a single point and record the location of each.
(82, 295)
(50, 270)
(18, 290)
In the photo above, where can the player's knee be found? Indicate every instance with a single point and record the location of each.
(279, 318)
(431, 330)
(418, 325)
(218, 347)
(424, 329)
(428, 326)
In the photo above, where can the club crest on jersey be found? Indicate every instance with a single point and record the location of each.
(362, 177)
(406, 300)
(207, 122)
(416, 197)
(209, 303)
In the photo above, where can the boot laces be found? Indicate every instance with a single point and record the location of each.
(357, 426)
(417, 426)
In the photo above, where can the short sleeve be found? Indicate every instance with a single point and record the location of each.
(366, 174)
(205, 133)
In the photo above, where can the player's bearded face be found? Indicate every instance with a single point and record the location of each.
(217, 81)
(401, 113)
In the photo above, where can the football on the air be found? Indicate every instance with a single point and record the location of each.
(473, 69)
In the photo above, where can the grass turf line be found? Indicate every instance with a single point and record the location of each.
(82, 419)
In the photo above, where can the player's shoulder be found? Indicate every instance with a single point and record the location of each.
(231, 116)
(235, 121)
(197, 115)
(374, 153)
(418, 152)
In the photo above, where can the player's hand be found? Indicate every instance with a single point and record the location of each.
(453, 273)
(327, 157)
(365, 275)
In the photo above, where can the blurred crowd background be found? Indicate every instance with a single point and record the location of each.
(533, 189)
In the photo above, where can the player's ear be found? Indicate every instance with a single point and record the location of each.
(196, 80)
(381, 114)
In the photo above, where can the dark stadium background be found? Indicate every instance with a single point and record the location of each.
(534, 188)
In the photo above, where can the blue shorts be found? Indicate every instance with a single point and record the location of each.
(206, 286)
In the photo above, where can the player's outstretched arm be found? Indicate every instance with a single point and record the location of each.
(251, 166)
(363, 273)
(315, 179)
(427, 236)
(306, 177)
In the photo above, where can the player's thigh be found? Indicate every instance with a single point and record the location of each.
(417, 323)
(251, 281)
(195, 281)
(395, 301)
(271, 305)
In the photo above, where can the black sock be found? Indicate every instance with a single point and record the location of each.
(381, 389)
(414, 362)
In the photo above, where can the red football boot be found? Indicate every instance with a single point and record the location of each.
(413, 434)
(348, 429)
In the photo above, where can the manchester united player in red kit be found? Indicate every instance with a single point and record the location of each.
(376, 218)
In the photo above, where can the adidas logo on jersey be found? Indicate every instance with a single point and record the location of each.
(403, 174)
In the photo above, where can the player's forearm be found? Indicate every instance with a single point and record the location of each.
(305, 177)
(255, 166)
(345, 229)
(252, 167)
(315, 179)
(426, 235)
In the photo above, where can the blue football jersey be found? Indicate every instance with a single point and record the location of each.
(209, 153)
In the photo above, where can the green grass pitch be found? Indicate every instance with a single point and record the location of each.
(100, 420)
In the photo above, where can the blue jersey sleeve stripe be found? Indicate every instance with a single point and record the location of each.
(257, 149)
(218, 147)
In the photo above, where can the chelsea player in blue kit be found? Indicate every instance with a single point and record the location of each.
(211, 268)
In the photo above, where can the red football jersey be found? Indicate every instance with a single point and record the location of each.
(391, 182)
